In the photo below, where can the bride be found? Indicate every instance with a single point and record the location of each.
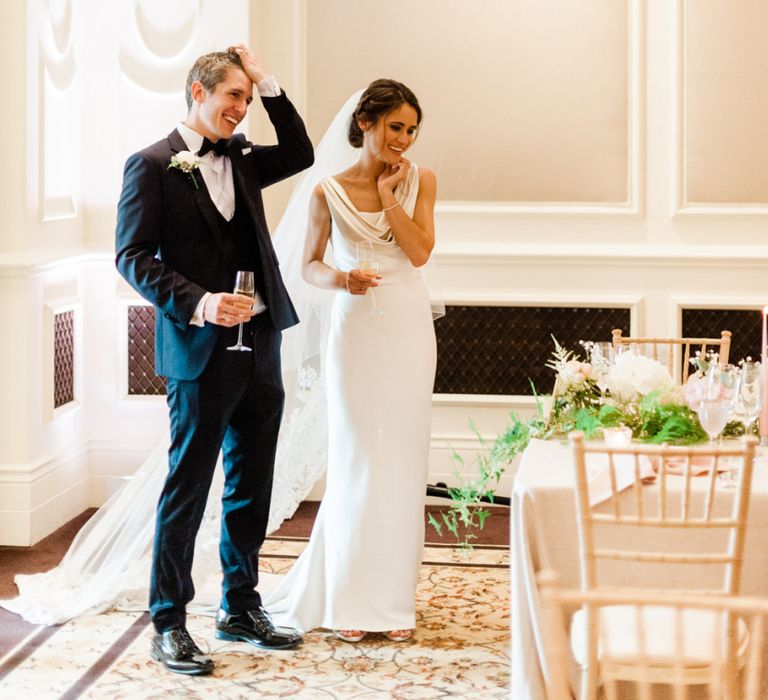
(107, 565)
(359, 571)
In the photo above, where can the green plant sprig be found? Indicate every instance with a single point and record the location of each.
(584, 407)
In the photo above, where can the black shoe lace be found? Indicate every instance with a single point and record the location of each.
(184, 643)
(262, 620)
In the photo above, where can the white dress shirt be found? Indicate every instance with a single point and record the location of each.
(217, 175)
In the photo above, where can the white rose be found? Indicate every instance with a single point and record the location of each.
(634, 375)
(187, 160)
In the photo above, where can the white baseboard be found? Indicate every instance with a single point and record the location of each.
(37, 499)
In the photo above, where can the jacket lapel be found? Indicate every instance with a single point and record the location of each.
(266, 253)
(200, 193)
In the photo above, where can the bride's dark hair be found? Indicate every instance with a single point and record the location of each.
(380, 98)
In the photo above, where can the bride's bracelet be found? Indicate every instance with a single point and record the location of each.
(396, 204)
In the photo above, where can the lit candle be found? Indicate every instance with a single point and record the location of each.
(764, 380)
(620, 436)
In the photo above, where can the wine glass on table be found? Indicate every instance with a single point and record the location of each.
(602, 355)
(714, 414)
(723, 383)
(749, 397)
(244, 286)
(366, 262)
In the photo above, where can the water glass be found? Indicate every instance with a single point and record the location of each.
(714, 415)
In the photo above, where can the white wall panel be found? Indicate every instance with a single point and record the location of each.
(600, 152)
(523, 101)
(724, 96)
(60, 113)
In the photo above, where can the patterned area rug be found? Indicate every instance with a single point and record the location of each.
(460, 650)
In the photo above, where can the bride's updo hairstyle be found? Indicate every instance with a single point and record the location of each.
(380, 98)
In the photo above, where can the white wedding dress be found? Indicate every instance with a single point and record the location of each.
(360, 568)
(108, 564)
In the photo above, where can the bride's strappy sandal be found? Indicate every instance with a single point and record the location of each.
(350, 635)
(399, 635)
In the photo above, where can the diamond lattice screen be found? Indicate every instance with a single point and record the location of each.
(63, 358)
(492, 349)
(502, 349)
(142, 380)
(745, 326)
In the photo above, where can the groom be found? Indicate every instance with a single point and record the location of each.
(185, 224)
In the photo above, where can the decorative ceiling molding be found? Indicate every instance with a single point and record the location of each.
(165, 42)
(56, 47)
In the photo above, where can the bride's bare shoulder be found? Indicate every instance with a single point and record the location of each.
(427, 176)
(318, 201)
(318, 193)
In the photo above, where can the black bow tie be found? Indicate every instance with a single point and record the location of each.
(219, 148)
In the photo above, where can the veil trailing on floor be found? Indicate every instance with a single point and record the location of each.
(108, 563)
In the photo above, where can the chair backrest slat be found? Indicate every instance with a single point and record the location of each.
(709, 505)
(686, 513)
(614, 488)
(678, 370)
(706, 503)
(731, 671)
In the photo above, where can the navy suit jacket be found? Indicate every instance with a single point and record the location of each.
(169, 236)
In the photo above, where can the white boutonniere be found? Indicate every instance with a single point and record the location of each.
(187, 162)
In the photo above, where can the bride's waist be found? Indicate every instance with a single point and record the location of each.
(399, 276)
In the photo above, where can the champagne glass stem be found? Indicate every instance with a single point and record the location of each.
(240, 334)
(373, 301)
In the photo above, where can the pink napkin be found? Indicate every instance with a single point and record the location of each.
(699, 465)
(599, 478)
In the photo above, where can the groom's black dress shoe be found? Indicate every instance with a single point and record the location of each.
(176, 650)
(255, 627)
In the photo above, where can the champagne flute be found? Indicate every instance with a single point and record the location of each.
(723, 383)
(366, 262)
(749, 394)
(243, 285)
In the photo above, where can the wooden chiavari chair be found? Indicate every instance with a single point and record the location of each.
(728, 650)
(679, 502)
(676, 353)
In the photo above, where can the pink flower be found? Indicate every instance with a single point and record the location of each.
(578, 371)
(573, 366)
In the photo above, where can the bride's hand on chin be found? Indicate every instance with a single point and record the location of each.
(393, 175)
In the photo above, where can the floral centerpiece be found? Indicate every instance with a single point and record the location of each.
(635, 391)
(590, 395)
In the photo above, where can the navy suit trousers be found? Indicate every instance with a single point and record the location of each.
(235, 405)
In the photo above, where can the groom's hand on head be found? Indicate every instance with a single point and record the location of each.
(251, 64)
(228, 309)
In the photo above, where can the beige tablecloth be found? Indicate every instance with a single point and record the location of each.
(544, 536)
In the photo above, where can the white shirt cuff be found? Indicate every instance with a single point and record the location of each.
(268, 87)
(197, 317)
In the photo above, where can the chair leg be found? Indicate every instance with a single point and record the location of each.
(588, 690)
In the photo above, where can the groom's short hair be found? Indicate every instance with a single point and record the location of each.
(210, 70)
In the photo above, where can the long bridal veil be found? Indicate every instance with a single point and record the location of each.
(107, 565)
